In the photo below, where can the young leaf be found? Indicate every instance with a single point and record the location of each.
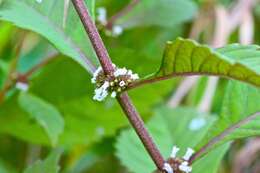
(44, 113)
(46, 19)
(165, 13)
(49, 165)
(168, 127)
(238, 117)
(186, 57)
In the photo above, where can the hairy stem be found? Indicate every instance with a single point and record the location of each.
(121, 13)
(123, 99)
(94, 37)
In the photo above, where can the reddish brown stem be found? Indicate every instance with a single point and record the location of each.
(155, 79)
(123, 99)
(140, 129)
(94, 36)
(121, 13)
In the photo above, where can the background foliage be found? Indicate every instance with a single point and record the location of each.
(56, 126)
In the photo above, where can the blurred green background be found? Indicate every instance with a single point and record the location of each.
(57, 117)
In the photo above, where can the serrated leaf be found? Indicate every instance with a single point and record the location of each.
(186, 57)
(165, 13)
(44, 113)
(238, 117)
(49, 165)
(168, 127)
(46, 19)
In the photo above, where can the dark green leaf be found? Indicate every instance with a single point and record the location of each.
(186, 57)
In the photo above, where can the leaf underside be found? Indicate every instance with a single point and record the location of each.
(186, 57)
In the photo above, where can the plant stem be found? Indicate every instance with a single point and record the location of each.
(94, 37)
(121, 13)
(140, 129)
(123, 99)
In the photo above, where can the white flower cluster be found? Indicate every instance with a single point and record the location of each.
(120, 80)
(124, 71)
(184, 166)
(39, 1)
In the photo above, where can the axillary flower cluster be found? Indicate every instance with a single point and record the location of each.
(178, 165)
(112, 84)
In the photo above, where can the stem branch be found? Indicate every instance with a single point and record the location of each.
(123, 99)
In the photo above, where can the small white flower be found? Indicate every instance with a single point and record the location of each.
(185, 168)
(117, 30)
(22, 86)
(120, 72)
(188, 154)
(122, 83)
(130, 72)
(94, 78)
(113, 94)
(101, 93)
(39, 1)
(167, 167)
(134, 76)
(174, 151)
(102, 15)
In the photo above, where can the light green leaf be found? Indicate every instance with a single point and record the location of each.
(211, 161)
(165, 13)
(238, 117)
(46, 19)
(186, 57)
(168, 127)
(49, 165)
(44, 113)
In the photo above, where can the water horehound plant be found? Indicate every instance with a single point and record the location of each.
(187, 138)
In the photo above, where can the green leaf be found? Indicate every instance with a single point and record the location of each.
(186, 57)
(49, 165)
(45, 114)
(168, 127)
(238, 118)
(211, 161)
(46, 19)
(165, 13)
